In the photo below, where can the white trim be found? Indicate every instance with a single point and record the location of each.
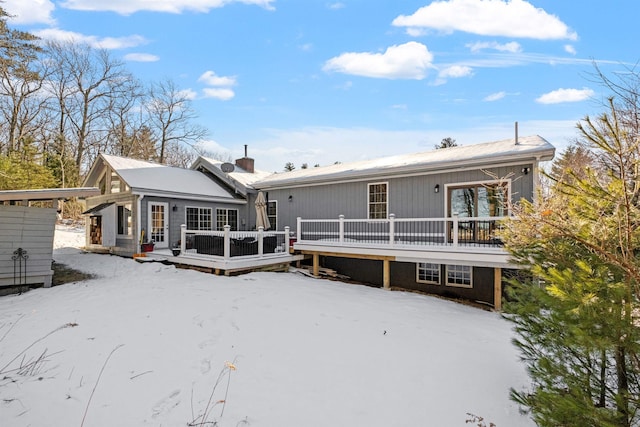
(273, 226)
(386, 184)
(165, 206)
(213, 219)
(185, 196)
(124, 236)
(470, 183)
(215, 226)
(429, 282)
(458, 285)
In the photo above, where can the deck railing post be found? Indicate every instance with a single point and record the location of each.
(227, 241)
(455, 229)
(287, 242)
(299, 230)
(392, 228)
(260, 241)
(183, 238)
(341, 228)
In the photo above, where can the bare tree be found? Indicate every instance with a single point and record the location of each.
(21, 79)
(87, 82)
(171, 118)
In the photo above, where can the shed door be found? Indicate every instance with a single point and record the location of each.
(158, 224)
(109, 225)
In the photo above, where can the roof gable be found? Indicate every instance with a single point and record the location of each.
(148, 177)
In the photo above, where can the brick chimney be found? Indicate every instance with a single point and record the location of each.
(245, 163)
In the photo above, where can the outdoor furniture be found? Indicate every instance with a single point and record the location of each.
(245, 246)
(269, 244)
(208, 245)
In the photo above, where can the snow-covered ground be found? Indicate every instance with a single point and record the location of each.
(145, 344)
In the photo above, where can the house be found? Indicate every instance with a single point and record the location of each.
(27, 226)
(424, 222)
(200, 216)
(142, 202)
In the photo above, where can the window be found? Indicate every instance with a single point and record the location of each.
(428, 273)
(272, 214)
(478, 200)
(198, 218)
(459, 275)
(226, 216)
(377, 200)
(124, 220)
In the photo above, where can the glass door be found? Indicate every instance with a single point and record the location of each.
(158, 224)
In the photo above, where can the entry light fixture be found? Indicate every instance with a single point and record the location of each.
(526, 170)
(175, 207)
(436, 189)
(290, 198)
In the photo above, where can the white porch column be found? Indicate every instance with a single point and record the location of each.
(227, 241)
(341, 228)
(183, 238)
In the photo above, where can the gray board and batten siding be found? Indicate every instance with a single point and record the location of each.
(408, 196)
(30, 229)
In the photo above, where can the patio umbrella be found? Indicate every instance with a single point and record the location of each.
(261, 212)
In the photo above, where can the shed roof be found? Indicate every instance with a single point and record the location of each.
(486, 154)
(153, 178)
(48, 193)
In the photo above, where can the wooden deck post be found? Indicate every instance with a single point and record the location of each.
(497, 289)
(316, 265)
(386, 274)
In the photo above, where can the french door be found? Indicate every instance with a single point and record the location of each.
(158, 224)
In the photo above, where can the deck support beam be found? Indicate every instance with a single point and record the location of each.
(497, 289)
(316, 264)
(386, 274)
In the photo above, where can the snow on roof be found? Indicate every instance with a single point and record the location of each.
(530, 147)
(239, 175)
(162, 179)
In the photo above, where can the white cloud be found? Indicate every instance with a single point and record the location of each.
(509, 18)
(513, 47)
(455, 71)
(127, 7)
(188, 94)
(93, 41)
(141, 57)
(565, 95)
(29, 12)
(406, 61)
(336, 6)
(570, 49)
(219, 86)
(221, 93)
(211, 79)
(495, 96)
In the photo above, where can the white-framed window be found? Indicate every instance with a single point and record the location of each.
(226, 216)
(377, 206)
(124, 219)
(272, 213)
(427, 272)
(460, 276)
(198, 218)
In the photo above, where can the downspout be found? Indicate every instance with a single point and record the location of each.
(139, 222)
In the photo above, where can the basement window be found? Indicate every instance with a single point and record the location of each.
(460, 276)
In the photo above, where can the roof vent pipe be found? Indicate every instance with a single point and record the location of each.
(245, 150)
(516, 129)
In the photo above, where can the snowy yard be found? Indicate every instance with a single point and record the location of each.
(306, 352)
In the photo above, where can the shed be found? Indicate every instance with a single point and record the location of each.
(26, 234)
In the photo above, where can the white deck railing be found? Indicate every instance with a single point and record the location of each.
(452, 232)
(228, 244)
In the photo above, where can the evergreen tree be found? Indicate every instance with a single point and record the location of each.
(446, 143)
(576, 316)
(288, 167)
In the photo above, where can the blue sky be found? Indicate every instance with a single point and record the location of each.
(316, 82)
